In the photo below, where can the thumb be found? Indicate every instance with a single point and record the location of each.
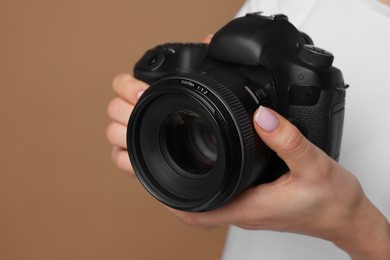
(287, 141)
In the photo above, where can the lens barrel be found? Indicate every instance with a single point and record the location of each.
(192, 144)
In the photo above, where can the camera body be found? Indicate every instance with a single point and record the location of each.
(191, 138)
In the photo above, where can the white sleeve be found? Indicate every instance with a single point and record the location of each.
(267, 6)
(245, 8)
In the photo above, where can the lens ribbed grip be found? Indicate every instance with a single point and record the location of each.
(240, 117)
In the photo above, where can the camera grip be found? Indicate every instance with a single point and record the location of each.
(322, 123)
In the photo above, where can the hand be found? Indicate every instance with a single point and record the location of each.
(317, 197)
(128, 90)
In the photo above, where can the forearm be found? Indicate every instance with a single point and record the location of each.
(366, 235)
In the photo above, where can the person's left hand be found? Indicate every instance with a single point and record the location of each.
(317, 197)
(316, 194)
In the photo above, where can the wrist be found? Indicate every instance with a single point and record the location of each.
(365, 234)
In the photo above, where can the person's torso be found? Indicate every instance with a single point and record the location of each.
(358, 34)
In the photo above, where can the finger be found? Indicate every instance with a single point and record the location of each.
(128, 88)
(208, 38)
(214, 218)
(116, 134)
(287, 141)
(234, 212)
(119, 110)
(121, 159)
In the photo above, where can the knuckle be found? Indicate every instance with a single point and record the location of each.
(110, 132)
(114, 154)
(191, 221)
(124, 162)
(122, 91)
(121, 159)
(326, 165)
(295, 143)
(123, 85)
(120, 78)
(112, 107)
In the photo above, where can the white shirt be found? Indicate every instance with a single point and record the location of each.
(357, 32)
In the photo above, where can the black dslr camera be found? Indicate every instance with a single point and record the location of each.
(190, 137)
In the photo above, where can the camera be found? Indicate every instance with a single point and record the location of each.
(190, 137)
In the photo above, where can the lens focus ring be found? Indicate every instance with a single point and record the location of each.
(244, 124)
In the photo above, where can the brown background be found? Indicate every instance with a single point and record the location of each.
(61, 197)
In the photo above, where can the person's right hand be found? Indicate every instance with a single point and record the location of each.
(128, 90)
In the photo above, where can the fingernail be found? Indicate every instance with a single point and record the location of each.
(266, 119)
(139, 94)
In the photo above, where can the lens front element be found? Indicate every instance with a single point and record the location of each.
(191, 142)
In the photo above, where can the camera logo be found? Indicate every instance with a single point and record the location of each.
(201, 89)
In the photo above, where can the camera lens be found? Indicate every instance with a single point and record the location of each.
(191, 142)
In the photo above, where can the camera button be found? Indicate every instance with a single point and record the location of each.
(261, 95)
(255, 14)
(315, 56)
(252, 95)
(279, 17)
